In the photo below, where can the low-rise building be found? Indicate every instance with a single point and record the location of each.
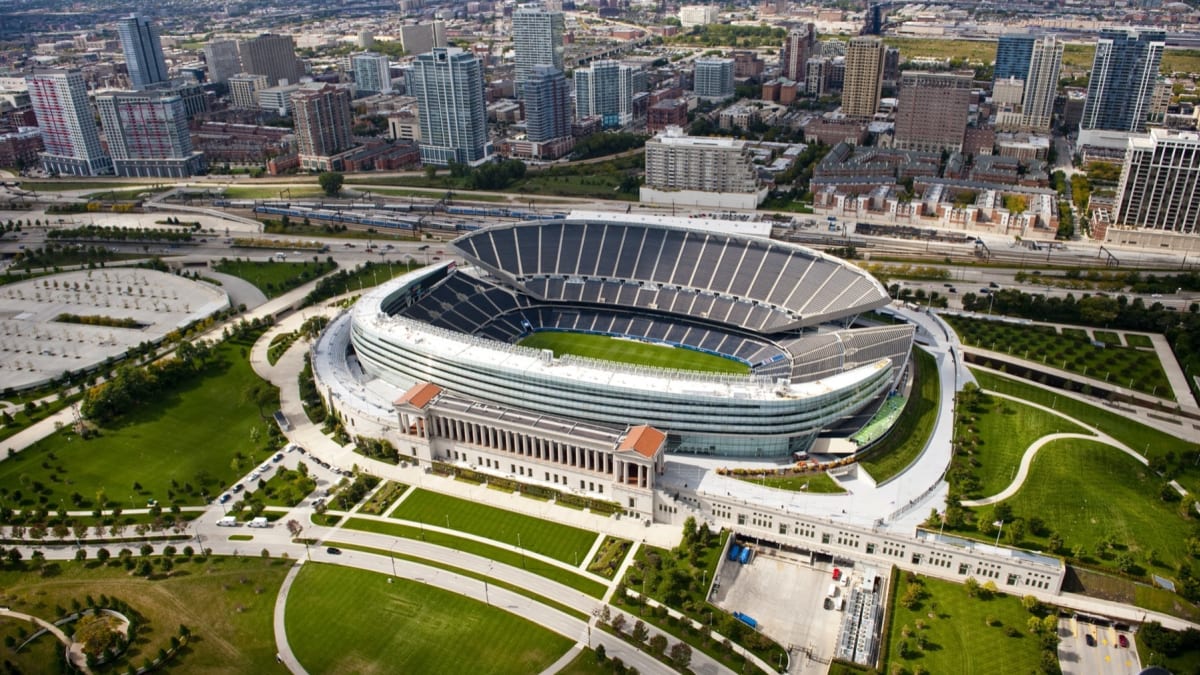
(700, 171)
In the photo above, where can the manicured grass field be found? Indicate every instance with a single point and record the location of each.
(958, 639)
(342, 620)
(974, 51)
(513, 558)
(1122, 366)
(809, 482)
(1089, 492)
(1006, 429)
(1138, 340)
(906, 441)
(1108, 337)
(585, 664)
(189, 435)
(1146, 440)
(632, 351)
(561, 542)
(226, 602)
(275, 278)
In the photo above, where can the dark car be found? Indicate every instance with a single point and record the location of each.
(1091, 641)
(333, 551)
(1123, 641)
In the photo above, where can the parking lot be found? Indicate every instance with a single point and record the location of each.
(786, 595)
(1105, 656)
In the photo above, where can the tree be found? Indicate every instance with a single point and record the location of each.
(1031, 604)
(331, 182)
(103, 555)
(658, 643)
(96, 633)
(601, 654)
(681, 654)
(294, 527)
(618, 623)
(640, 632)
(972, 586)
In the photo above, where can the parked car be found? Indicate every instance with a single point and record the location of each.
(278, 457)
(1090, 640)
(333, 551)
(837, 574)
(1123, 641)
(225, 498)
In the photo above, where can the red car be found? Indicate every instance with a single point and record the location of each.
(1123, 641)
(837, 574)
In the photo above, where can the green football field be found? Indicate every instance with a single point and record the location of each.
(631, 351)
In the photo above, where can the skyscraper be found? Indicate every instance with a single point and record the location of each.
(799, 47)
(605, 90)
(1012, 56)
(143, 51)
(147, 134)
(1122, 81)
(323, 117)
(1041, 83)
(1160, 183)
(372, 73)
(448, 86)
(714, 79)
(537, 40)
(547, 105)
(273, 56)
(423, 37)
(69, 133)
(864, 76)
(931, 115)
(223, 60)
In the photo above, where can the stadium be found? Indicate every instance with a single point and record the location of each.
(782, 314)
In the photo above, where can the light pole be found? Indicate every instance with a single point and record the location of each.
(392, 556)
(447, 521)
(521, 549)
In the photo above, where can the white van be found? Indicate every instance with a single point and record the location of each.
(281, 256)
(259, 522)
(227, 521)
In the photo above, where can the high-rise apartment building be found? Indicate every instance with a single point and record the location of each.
(372, 73)
(1025, 101)
(147, 134)
(713, 79)
(1012, 56)
(700, 171)
(423, 37)
(323, 119)
(547, 105)
(223, 60)
(605, 90)
(69, 133)
(931, 115)
(143, 51)
(1122, 81)
(799, 46)
(273, 56)
(537, 40)
(691, 16)
(1041, 83)
(1159, 187)
(864, 76)
(244, 88)
(448, 86)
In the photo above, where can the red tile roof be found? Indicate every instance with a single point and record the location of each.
(420, 396)
(644, 440)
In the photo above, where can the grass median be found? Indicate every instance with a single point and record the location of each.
(908, 438)
(513, 558)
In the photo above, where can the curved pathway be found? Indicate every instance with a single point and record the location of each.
(57, 632)
(1027, 458)
(284, 653)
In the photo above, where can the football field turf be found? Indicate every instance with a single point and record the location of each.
(632, 351)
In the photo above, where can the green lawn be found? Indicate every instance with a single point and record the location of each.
(958, 639)
(561, 542)
(1005, 430)
(1089, 492)
(342, 620)
(275, 278)
(586, 664)
(1139, 341)
(226, 602)
(1122, 366)
(128, 194)
(1146, 440)
(907, 439)
(513, 558)
(631, 351)
(819, 482)
(69, 185)
(188, 436)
